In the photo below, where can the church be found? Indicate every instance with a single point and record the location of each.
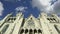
(44, 24)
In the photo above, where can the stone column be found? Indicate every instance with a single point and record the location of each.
(53, 30)
(17, 26)
(44, 26)
(23, 32)
(32, 31)
(9, 30)
(39, 32)
(26, 31)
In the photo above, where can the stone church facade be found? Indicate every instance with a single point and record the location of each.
(44, 24)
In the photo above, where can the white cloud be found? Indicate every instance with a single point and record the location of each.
(44, 2)
(56, 7)
(43, 5)
(1, 8)
(21, 9)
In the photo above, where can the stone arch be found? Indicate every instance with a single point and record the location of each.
(35, 31)
(39, 31)
(22, 31)
(26, 30)
(30, 31)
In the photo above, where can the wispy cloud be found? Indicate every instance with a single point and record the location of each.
(42, 5)
(56, 7)
(21, 9)
(1, 8)
(45, 6)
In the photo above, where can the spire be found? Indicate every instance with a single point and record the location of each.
(43, 14)
(31, 16)
(18, 13)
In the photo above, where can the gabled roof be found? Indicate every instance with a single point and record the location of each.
(30, 17)
(33, 19)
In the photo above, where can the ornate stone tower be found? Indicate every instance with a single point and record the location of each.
(44, 24)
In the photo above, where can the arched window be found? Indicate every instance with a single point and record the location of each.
(22, 31)
(39, 31)
(5, 28)
(26, 31)
(30, 31)
(35, 31)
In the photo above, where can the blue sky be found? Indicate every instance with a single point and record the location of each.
(9, 7)
(27, 7)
